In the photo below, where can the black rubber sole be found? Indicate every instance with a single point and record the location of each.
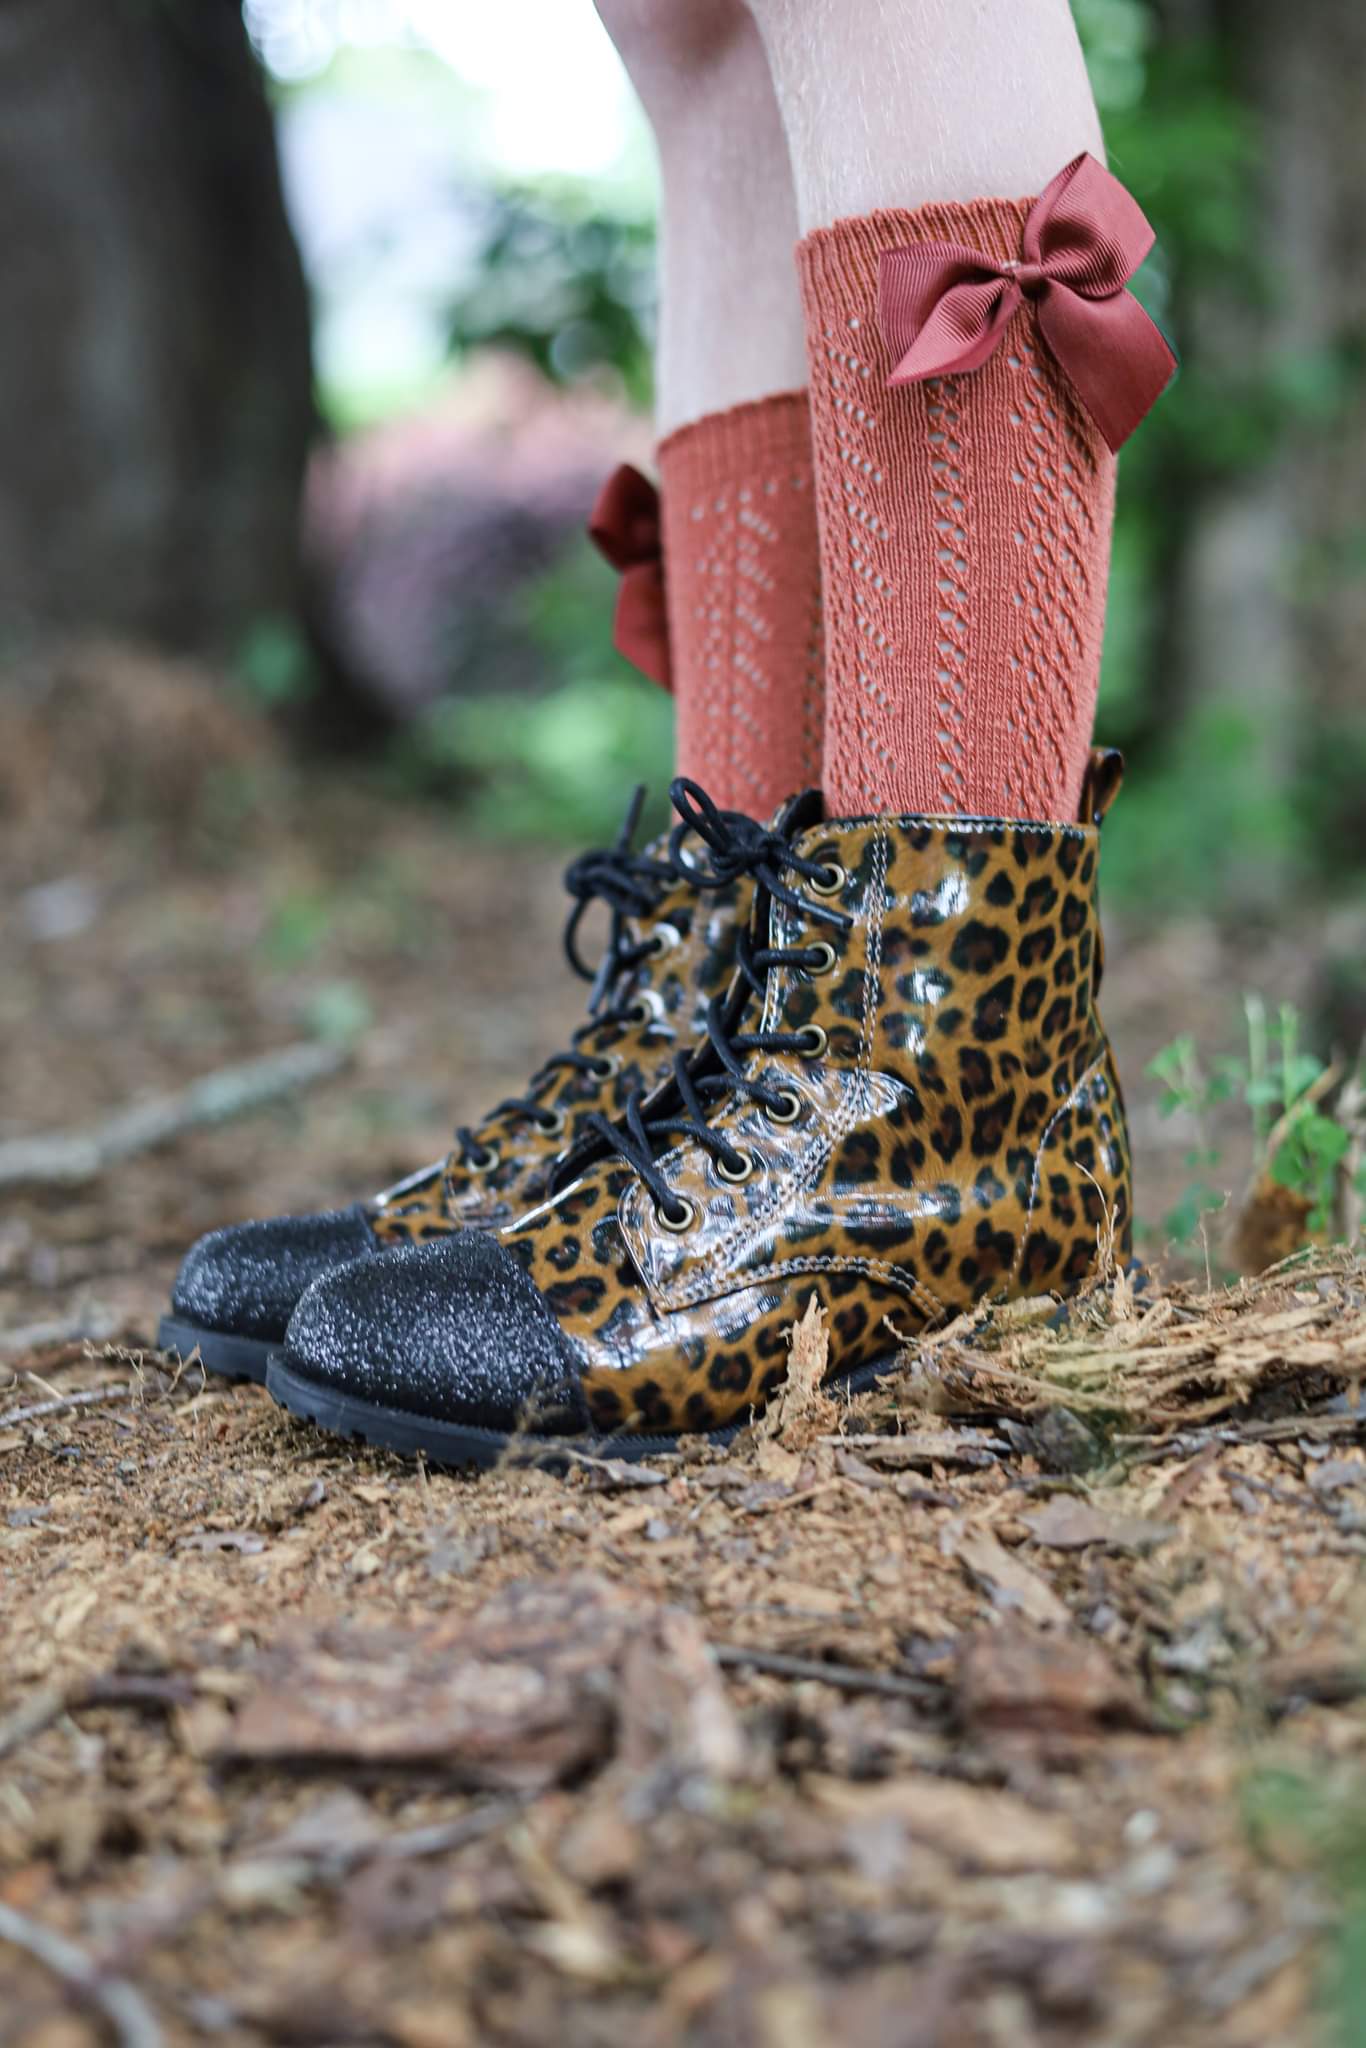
(459, 1443)
(462, 1444)
(236, 1358)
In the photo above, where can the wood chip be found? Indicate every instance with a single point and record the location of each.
(1021, 1682)
(925, 1447)
(1010, 1581)
(801, 1409)
(979, 1826)
(1069, 1523)
(546, 1679)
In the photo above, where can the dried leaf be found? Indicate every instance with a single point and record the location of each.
(617, 1475)
(800, 1596)
(1009, 1580)
(1068, 1523)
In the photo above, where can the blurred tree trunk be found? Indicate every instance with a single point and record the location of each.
(1267, 621)
(1310, 75)
(155, 381)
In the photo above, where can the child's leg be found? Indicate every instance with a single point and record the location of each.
(900, 102)
(965, 520)
(740, 546)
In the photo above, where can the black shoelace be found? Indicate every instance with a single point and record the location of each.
(738, 846)
(631, 885)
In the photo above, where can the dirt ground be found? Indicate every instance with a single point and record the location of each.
(1020, 1703)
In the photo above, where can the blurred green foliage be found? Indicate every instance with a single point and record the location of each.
(1205, 806)
(1276, 1079)
(1321, 1828)
(562, 765)
(275, 667)
(563, 284)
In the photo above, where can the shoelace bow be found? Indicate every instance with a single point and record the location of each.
(631, 885)
(738, 847)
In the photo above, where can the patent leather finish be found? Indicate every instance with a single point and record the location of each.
(957, 1132)
(693, 938)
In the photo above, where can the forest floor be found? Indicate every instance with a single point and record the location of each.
(1018, 1703)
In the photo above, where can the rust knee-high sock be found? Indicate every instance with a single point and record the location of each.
(742, 571)
(965, 541)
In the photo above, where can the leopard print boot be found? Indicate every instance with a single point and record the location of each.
(907, 1106)
(671, 951)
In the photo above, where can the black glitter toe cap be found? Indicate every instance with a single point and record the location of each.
(245, 1281)
(453, 1331)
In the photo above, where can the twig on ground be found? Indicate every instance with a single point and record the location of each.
(847, 1677)
(337, 1860)
(1141, 1450)
(434, 1840)
(94, 1324)
(68, 1158)
(134, 1689)
(35, 1379)
(91, 1396)
(125, 2009)
(113, 1689)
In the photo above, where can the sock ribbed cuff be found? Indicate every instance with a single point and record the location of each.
(713, 451)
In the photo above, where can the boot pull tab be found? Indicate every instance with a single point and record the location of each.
(1101, 783)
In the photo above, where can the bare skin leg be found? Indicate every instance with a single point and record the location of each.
(730, 316)
(899, 102)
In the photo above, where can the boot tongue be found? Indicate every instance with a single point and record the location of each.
(792, 817)
(799, 813)
(795, 815)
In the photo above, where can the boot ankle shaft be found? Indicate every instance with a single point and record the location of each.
(971, 962)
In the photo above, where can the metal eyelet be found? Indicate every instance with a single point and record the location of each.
(682, 1219)
(484, 1160)
(737, 1179)
(551, 1121)
(828, 883)
(791, 1110)
(641, 1011)
(663, 939)
(605, 1065)
(814, 1041)
(827, 958)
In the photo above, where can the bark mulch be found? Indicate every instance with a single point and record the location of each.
(1019, 1703)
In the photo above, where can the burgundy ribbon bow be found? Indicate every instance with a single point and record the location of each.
(944, 307)
(624, 526)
